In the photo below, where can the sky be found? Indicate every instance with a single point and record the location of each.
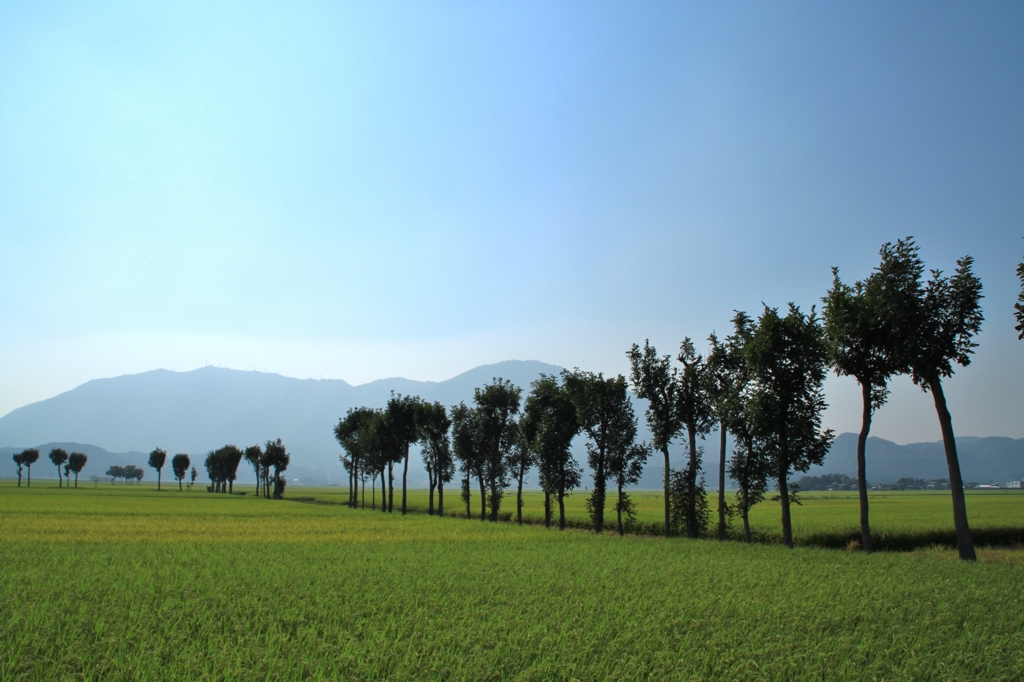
(367, 190)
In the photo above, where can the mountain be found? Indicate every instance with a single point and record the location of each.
(195, 412)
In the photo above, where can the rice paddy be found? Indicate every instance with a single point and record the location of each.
(124, 583)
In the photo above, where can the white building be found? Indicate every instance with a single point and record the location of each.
(1014, 485)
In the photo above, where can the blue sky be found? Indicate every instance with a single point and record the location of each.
(358, 191)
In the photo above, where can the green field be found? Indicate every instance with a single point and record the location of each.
(124, 583)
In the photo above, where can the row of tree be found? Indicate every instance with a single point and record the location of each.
(222, 467)
(762, 384)
(72, 464)
(126, 474)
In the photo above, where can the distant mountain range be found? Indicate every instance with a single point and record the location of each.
(118, 420)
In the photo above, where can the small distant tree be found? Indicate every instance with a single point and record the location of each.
(214, 470)
(157, 459)
(28, 458)
(59, 456)
(77, 462)
(787, 360)
(229, 458)
(434, 425)
(656, 381)
(18, 460)
(948, 316)
(254, 455)
(179, 465)
(625, 468)
(279, 459)
(606, 417)
(192, 482)
(497, 404)
(133, 473)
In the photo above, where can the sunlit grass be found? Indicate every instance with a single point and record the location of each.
(126, 584)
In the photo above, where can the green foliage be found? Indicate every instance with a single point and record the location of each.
(179, 465)
(157, 459)
(552, 410)
(77, 462)
(58, 456)
(497, 405)
(691, 513)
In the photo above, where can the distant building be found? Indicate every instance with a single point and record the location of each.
(1014, 485)
(988, 486)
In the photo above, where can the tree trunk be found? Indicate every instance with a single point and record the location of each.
(721, 482)
(692, 529)
(430, 507)
(964, 541)
(404, 480)
(158, 477)
(179, 483)
(19, 476)
(383, 490)
(391, 487)
(519, 494)
(618, 509)
(599, 487)
(466, 488)
(547, 509)
(483, 498)
(668, 472)
(231, 486)
(787, 524)
(60, 479)
(29, 483)
(862, 469)
(561, 509)
(373, 493)
(746, 521)
(440, 497)
(76, 480)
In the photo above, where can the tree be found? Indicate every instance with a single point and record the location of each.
(231, 457)
(179, 465)
(253, 455)
(354, 432)
(605, 414)
(467, 444)
(558, 423)
(215, 470)
(157, 459)
(497, 404)
(948, 316)
(133, 473)
(656, 381)
(77, 462)
(625, 468)
(1019, 305)
(433, 426)
(277, 456)
(192, 482)
(748, 466)
(523, 457)
(861, 324)
(59, 456)
(28, 458)
(787, 360)
(696, 413)
(18, 460)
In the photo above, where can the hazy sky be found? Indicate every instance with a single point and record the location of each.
(366, 190)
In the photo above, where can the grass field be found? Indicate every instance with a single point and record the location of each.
(127, 583)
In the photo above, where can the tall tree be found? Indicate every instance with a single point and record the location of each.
(179, 465)
(467, 443)
(59, 456)
(523, 457)
(20, 463)
(948, 316)
(696, 412)
(232, 458)
(28, 458)
(606, 416)
(157, 459)
(277, 457)
(254, 456)
(787, 359)
(862, 324)
(192, 478)
(400, 417)
(351, 434)
(655, 380)
(625, 468)
(748, 465)
(214, 469)
(558, 424)
(433, 425)
(1018, 307)
(497, 404)
(77, 462)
